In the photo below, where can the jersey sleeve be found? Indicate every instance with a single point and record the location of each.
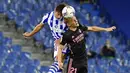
(84, 28)
(63, 39)
(45, 18)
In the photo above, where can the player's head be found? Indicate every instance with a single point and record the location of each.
(58, 10)
(71, 22)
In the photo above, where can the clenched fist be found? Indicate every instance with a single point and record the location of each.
(111, 28)
(27, 34)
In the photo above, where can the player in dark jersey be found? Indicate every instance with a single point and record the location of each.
(74, 37)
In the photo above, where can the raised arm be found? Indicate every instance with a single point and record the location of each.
(96, 28)
(38, 27)
(35, 30)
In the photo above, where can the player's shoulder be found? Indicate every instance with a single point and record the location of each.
(83, 27)
(67, 33)
(80, 25)
(48, 13)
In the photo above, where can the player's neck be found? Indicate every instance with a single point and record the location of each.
(72, 28)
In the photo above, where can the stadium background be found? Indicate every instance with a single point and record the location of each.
(34, 55)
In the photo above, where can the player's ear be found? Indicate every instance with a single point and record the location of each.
(59, 14)
(68, 24)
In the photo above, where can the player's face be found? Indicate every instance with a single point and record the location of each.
(58, 15)
(72, 22)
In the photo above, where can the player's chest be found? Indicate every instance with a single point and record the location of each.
(77, 36)
(57, 26)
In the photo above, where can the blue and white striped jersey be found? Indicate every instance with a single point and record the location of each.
(57, 26)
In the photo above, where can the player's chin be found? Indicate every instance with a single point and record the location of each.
(76, 25)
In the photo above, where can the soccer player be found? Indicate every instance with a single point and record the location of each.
(57, 26)
(74, 37)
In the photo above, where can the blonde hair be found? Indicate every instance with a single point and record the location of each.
(67, 20)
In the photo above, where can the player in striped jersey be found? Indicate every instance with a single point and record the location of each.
(57, 26)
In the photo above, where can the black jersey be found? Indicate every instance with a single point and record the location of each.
(76, 41)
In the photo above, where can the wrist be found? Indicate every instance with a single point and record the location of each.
(30, 34)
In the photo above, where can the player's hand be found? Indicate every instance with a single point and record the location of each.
(27, 34)
(111, 28)
(60, 64)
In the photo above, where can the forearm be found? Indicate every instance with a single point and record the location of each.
(95, 28)
(60, 56)
(57, 42)
(36, 29)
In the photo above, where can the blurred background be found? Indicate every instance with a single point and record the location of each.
(35, 54)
